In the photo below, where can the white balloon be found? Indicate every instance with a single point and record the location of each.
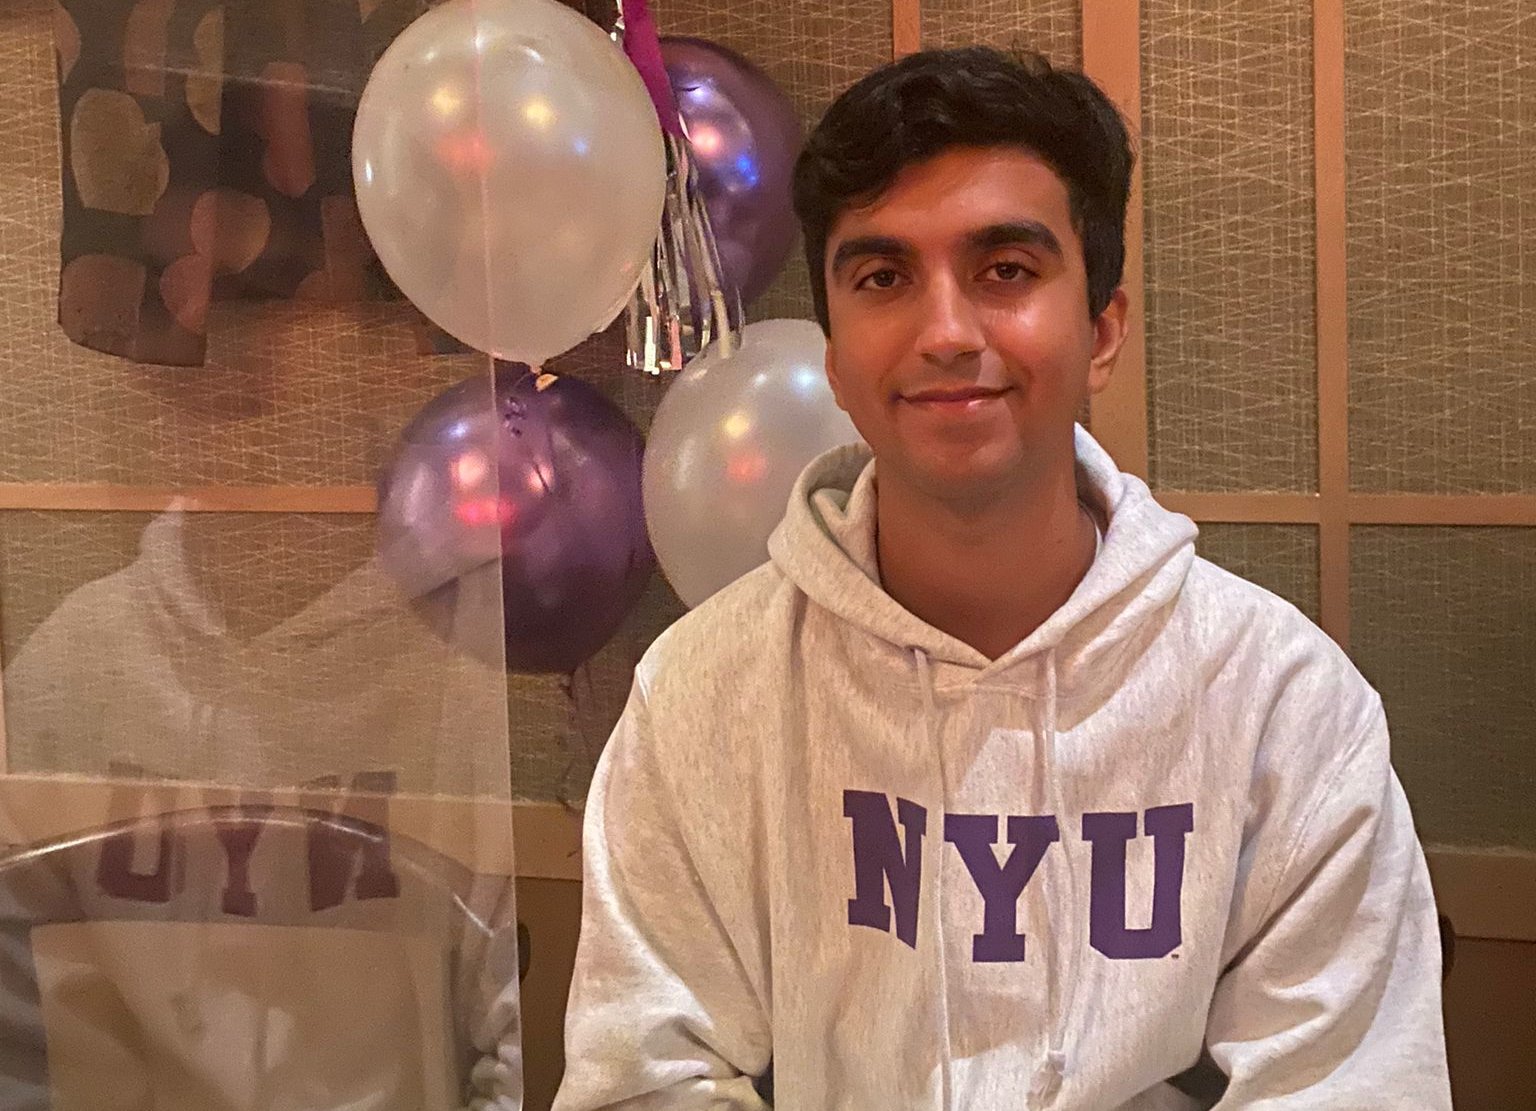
(728, 441)
(510, 173)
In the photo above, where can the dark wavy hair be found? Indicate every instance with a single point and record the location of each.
(914, 109)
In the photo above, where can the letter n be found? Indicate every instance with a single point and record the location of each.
(881, 858)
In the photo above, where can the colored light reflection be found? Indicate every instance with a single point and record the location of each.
(746, 167)
(747, 467)
(539, 113)
(736, 425)
(483, 512)
(466, 153)
(470, 470)
(706, 140)
(447, 102)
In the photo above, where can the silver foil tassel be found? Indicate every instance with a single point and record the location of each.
(681, 304)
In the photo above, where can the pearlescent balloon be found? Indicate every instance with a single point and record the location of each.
(745, 138)
(728, 441)
(540, 473)
(510, 173)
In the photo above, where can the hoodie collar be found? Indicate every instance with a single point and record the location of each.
(826, 547)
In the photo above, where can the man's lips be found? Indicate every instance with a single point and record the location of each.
(953, 395)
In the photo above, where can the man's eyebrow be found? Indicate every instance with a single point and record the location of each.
(869, 246)
(1015, 233)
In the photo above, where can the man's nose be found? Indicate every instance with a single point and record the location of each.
(950, 328)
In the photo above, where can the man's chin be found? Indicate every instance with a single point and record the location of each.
(965, 482)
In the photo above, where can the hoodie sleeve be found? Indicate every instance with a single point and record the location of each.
(666, 1010)
(1335, 1002)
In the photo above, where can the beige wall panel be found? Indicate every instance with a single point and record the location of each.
(1441, 103)
(1443, 626)
(1227, 141)
(1052, 27)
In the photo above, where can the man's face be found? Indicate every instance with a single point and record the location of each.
(961, 344)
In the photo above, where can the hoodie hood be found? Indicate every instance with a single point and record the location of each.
(826, 547)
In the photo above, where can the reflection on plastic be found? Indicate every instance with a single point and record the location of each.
(189, 1021)
(203, 660)
(279, 959)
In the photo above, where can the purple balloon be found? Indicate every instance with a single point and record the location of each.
(746, 137)
(542, 474)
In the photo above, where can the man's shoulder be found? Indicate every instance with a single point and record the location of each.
(1276, 652)
(1227, 600)
(725, 637)
(1237, 615)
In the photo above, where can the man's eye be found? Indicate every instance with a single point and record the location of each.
(879, 279)
(1009, 271)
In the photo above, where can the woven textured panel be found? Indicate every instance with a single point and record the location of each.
(1442, 626)
(1441, 102)
(1280, 558)
(1052, 27)
(814, 50)
(291, 394)
(1230, 292)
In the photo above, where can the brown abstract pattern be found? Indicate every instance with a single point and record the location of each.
(1230, 286)
(206, 152)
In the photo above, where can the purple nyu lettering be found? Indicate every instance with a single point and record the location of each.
(881, 858)
(1109, 834)
(1000, 886)
(339, 859)
(116, 875)
(239, 840)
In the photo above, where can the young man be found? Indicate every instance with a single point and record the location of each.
(987, 792)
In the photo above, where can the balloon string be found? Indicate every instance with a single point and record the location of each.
(642, 43)
(580, 752)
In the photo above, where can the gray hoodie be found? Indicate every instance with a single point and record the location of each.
(1152, 857)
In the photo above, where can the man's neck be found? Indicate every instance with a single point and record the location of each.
(988, 578)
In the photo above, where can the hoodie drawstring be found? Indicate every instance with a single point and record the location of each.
(1052, 1070)
(930, 715)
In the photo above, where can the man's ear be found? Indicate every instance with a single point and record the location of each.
(1109, 332)
(830, 363)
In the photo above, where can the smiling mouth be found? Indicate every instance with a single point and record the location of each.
(963, 396)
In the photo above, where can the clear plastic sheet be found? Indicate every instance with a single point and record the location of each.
(255, 810)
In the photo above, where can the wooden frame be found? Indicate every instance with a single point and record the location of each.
(906, 27)
(109, 498)
(1332, 319)
(1112, 57)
